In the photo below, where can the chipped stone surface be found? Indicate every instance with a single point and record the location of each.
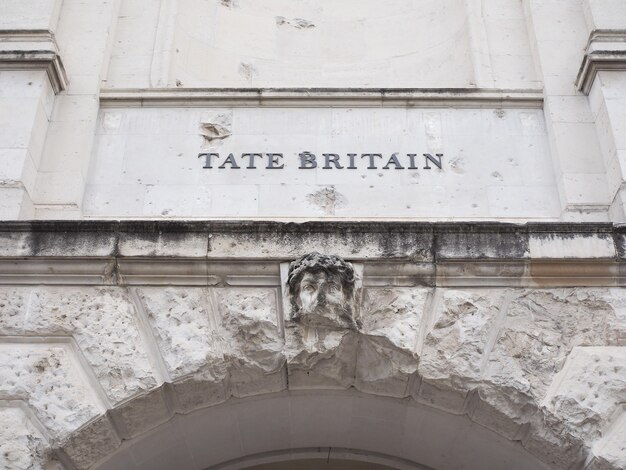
(320, 357)
(49, 378)
(609, 453)
(22, 446)
(298, 23)
(103, 322)
(94, 441)
(540, 330)
(253, 339)
(328, 200)
(216, 127)
(540, 366)
(589, 388)
(185, 330)
(209, 335)
(452, 355)
(142, 414)
(387, 356)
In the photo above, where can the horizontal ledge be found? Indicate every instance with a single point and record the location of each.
(321, 97)
(605, 51)
(598, 62)
(48, 60)
(184, 272)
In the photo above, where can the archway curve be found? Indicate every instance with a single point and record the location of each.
(400, 433)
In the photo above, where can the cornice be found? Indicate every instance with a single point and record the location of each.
(606, 51)
(33, 50)
(247, 253)
(320, 97)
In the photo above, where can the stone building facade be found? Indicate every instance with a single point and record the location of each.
(312, 234)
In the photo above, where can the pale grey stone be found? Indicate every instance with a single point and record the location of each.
(464, 321)
(92, 443)
(589, 389)
(103, 322)
(22, 446)
(390, 326)
(320, 357)
(254, 341)
(49, 379)
(540, 330)
(142, 413)
(186, 330)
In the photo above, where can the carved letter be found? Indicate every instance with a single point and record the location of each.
(273, 159)
(230, 160)
(432, 159)
(351, 166)
(412, 161)
(251, 157)
(371, 156)
(393, 160)
(207, 158)
(307, 160)
(331, 158)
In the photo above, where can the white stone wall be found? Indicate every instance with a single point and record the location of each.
(496, 164)
(475, 58)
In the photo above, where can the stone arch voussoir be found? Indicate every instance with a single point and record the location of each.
(542, 367)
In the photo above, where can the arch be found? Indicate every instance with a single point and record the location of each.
(320, 424)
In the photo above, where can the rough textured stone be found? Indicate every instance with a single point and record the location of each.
(551, 440)
(320, 357)
(103, 322)
(49, 379)
(212, 335)
(142, 413)
(22, 446)
(609, 453)
(540, 330)
(540, 366)
(92, 443)
(452, 357)
(185, 328)
(589, 388)
(387, 357)
(253, 339)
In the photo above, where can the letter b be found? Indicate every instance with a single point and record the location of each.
(307, 160)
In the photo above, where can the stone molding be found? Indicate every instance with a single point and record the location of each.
(606, 51)
(33, 50)
(250, 253)
(320, 97)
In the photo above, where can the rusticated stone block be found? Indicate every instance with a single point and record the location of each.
(551, 441)
(390, 325)
(142, 413)
(50, 379)
(103, 322)
(197, 392)
(589, 388)
(320, 357)
(505, 411)
(92, 443)
(22, 446)
(253, 339)
(463, 323)
(609, 453)
(540, 329)
(185, 328)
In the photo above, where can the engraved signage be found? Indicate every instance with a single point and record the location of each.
(325, 161)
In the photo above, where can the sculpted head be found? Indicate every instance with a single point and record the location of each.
(322, 290)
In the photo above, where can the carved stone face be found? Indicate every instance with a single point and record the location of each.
(321, 288)
(318, 290)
